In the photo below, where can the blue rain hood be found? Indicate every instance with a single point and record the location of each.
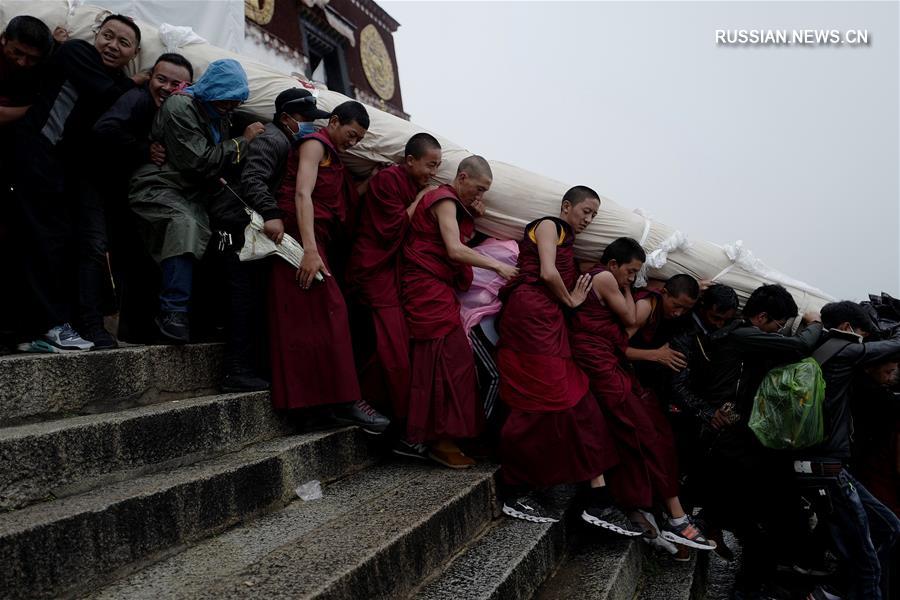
(223, 80)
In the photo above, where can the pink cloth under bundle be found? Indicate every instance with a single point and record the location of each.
(481, 300)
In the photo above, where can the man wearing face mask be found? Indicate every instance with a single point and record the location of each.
(261, 176)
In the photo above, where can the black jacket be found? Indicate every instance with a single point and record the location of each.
(839, 373)
(687, 388)
(741, 355)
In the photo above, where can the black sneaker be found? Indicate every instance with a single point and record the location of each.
(360, 413)
(243, 381)
(404, 448)
(612, 519)
(174, 326)
(103, 340)
(528, 508)
(688, 533)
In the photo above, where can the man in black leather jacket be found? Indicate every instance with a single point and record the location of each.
(745, 486)
(863, 529)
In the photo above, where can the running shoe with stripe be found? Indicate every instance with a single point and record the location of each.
(528, 508)
(688, 534)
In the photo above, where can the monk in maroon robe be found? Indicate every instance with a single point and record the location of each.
(311, 351)
(555, 432)
(648, 470)
(374, 269)
(436, 263)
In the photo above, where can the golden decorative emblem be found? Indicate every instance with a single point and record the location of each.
(259, 11)
(376, 62)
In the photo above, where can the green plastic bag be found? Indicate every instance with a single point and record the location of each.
(787, 409)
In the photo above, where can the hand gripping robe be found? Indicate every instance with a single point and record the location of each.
(373, 275)
(311, 351)
(442, 399)
(648, 467)
(555, 432)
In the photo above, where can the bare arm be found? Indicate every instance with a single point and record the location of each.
(8, 114)
(619, 300)
(445, 212)
(308, 171)
(412, 207)
(643, 308)
(664, 355)
(547, 237)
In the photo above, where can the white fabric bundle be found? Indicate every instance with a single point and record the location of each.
(516, 197)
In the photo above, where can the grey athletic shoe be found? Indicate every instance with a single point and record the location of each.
(612, 519)
(65, 337)
(528, 508)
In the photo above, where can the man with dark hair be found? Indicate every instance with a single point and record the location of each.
(122, 137)
(261, 175)
(25, 43)
(864, 530)
(555, 432)
(436, 262)
(684, 390)
(373, 269)
(170, 200)
(309, 330)
(746, 488)
(647, 473)
(52, 152)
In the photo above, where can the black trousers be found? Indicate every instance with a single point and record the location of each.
(41, 228)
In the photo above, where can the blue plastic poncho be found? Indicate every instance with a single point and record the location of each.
(223, 80)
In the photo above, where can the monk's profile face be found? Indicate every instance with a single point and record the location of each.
(471, 188)
(580, 215)
(675, 306)
(345, 136)
(423, 169)
(626, 272)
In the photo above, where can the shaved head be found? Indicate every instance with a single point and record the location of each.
(579, 194)
(475, 166)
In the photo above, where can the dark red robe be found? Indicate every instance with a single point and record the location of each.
(555, 432)
(648, 469)
(442, 399)
(310, 347)
(373, 277)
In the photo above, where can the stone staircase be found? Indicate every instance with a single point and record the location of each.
(123, 474)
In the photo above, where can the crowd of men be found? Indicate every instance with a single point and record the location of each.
(127, 195)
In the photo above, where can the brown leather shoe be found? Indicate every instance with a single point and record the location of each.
(454, 460)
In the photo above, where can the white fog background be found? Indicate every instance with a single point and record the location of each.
(794, 150)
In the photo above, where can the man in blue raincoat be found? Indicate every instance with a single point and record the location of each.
(170, 200)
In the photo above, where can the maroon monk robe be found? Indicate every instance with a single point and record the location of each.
(555, 432)
(648, 469)
(311, 351)
(373, 278)
(442, 399)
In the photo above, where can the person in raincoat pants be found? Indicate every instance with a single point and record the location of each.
(170, 200)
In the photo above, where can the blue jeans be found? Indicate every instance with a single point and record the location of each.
(864, 532)
(177, 283)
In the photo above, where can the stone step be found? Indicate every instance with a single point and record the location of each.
(375, 534)
(69, 545)
(598, 567)
(666, 579)
(69, 456)
(511, 559)
(39, 386)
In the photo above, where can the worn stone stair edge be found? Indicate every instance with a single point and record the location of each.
(69, 456)
(366, 568)
(181, 575)
(35, 387)
(95, 533)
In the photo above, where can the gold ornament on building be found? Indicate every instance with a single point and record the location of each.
(259, 11)
(376, 62)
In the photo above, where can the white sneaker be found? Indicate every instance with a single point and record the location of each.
(66, 338)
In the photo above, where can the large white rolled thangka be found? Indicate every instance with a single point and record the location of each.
(516, 196)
